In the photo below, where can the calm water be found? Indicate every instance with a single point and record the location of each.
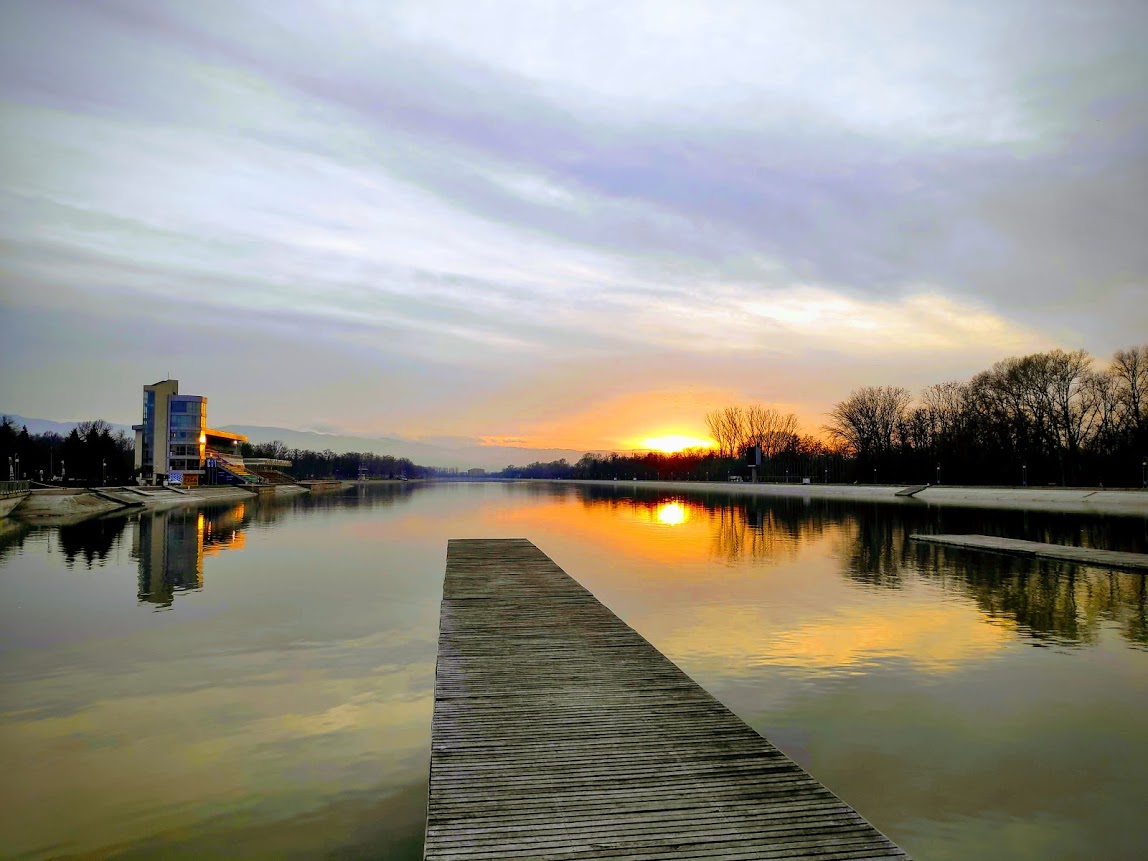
(256, 681)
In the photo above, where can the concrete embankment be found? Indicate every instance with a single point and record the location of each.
(1081, 500)
(8, 503)
(58, 506)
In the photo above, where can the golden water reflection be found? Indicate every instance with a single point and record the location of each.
(281, 704)
(869, 547)
(671, 513)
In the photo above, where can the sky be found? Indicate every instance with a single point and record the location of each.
(558, 224)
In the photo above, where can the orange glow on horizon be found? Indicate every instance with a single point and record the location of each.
(673, 443)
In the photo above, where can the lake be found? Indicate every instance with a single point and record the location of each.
(256, 680)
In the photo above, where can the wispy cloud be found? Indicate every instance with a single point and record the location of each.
(502, 192)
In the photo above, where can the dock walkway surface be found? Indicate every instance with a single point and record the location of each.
(560, 733)
(1035, 549)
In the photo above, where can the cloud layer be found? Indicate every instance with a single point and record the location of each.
(465, 212)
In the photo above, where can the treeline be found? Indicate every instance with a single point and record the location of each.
(91, 454)
(306, 464)
(1045, 418)
(802, 457)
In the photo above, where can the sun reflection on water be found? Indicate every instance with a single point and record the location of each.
(672, 514)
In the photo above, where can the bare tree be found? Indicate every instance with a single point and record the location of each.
(1130, 371)
(944, 406)
(716, 426)
(868, 420)
(1067, 387)
(772, 430)
(728, 429)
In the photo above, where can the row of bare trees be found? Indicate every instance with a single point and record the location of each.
(737, 428)
(1053, 417)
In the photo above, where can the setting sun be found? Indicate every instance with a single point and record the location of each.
(672, 443)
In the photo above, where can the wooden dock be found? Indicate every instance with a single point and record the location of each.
(1037, 550)
(560, 733)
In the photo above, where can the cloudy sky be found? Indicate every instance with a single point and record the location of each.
(558, 223)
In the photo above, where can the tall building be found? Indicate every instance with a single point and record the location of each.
(173, 435)
(175, 444)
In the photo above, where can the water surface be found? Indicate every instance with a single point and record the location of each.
(256, 680)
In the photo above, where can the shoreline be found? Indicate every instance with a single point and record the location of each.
(62, 507)
(1068, 500)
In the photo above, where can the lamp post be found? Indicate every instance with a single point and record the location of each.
(1144, 474)
(104, 464)
(827, 475)
(874, 475)
(938, 473)
(1024, 474)
(17, 467)
(63, 473)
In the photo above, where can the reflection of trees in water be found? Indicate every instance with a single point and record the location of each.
(556, 489)
(1050, 601)
(12, 535)
(762, 532)
(1059, 602)
(755, 529)
(90, 540)
(875, 554)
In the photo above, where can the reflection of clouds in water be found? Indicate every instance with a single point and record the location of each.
(930, 636)
(299, 682)
(251, 728)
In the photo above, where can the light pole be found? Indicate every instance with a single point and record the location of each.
(63, 473)
(104, 464)
(938, 473)
(827, 475)
(1144, 473)
(17, 467)
(874, 475)
(1024, 474)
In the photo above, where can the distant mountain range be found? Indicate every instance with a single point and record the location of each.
(491, 457)
(38, 426)
(464, 457)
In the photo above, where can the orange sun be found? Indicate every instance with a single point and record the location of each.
(672, 443)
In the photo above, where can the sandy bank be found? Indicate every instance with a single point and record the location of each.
(1070, 500)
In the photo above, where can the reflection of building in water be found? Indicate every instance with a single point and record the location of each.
(170, 547)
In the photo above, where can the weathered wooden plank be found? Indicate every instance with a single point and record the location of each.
(559, 733)
(1038, 550)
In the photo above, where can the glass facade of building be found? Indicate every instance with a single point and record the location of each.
(187, 429)
(172, 437)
